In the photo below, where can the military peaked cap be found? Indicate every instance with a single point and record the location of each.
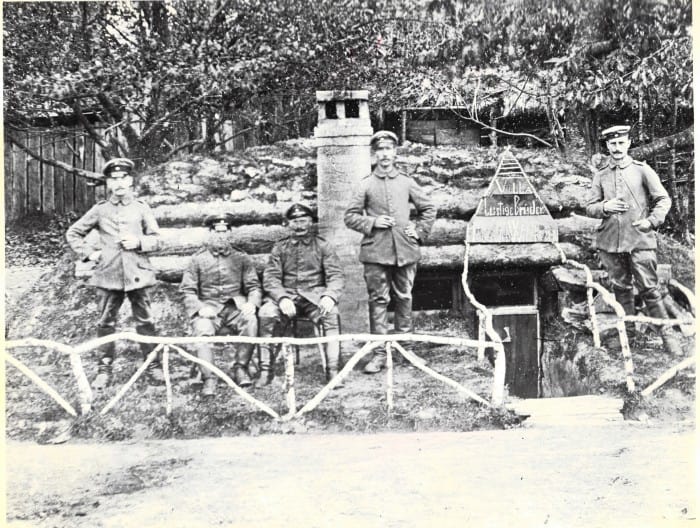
(118, 164)
(383, 135)
(297, 210)
(221, 219)
(615, 132)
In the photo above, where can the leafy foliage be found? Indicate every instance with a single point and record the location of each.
(155, 69)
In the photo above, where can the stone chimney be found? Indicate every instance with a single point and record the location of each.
(343, 159)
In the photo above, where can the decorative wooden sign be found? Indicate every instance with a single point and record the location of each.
(511, 212)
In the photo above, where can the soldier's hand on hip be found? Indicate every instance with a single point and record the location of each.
(207, 311)
(617, 205)
(130, 242)
(95, 255)
(643, 225)
(410, 230)
(248, 308)
(384, 222)
(287, 307)
(325, 305)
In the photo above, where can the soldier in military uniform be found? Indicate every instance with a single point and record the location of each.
(128, 231)
(390, 249)
(628, 196)
(303, 277)
(222, 292)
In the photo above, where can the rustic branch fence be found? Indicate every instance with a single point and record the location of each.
(166, 344)
(621, 318)
(372, 341)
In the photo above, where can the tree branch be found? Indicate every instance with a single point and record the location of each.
(130, 134)
(151, 129)
(94, 176)
(77, 109)
(183, 146)
(681, 139)
(501, 131)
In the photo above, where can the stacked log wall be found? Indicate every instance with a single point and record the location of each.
(257, 186)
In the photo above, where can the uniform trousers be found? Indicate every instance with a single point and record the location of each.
(383, 283)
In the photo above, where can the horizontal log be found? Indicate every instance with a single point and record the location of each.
(561, 199)
(249, 238)
(493, 256)
(681, 139)
(244, 212)
(260, 238)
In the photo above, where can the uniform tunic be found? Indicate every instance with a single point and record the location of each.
(118, 268)
(308, 268)
(627, 253)
(389, 194)
(639, 186)
(215, 278)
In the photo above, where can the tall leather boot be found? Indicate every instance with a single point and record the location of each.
(658, 310)
(205, 352)
(240, 365)
(377, 325)
(331, 325)
(104, 367)
(266, 372)
(154, 371)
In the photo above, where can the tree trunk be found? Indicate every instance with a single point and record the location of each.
(681, 139)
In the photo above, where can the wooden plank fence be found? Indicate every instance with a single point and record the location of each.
(33, 187)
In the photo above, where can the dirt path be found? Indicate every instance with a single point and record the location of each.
(620, 474)
(18, 279)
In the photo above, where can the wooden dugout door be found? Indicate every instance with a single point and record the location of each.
(520, 334)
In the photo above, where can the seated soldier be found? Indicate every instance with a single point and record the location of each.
(221, 294)
(302, 277)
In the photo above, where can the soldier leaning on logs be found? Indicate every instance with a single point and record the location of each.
(628, 196)
(222, 292)
(128, 230)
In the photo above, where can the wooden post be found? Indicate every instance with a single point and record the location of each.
(389, 378)
(47, 175)
(289, 379)
(79, 186)
(84, 389)
(20, 178)
(89, 164)
(34, 187)
(8, 187)
(166, 378)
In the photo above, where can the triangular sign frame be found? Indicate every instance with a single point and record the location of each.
(511, 211)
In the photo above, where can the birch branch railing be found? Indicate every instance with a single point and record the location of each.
(166, 344)
(621, 318)
(486, 322)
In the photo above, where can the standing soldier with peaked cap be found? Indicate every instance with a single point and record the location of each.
(222, 293)
(128, 230)
(390, 249)
(631, 201)
(303, 277)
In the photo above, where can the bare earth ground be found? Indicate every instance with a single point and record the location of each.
(622, 474)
